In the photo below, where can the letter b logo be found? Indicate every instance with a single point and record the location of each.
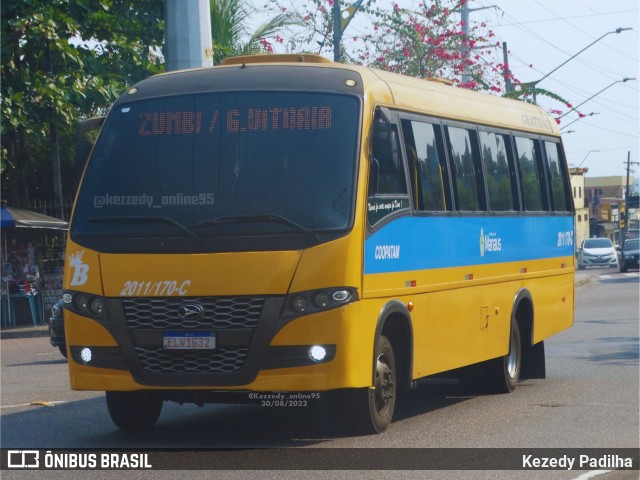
(80, 274)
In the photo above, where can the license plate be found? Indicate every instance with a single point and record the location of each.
(189, 341)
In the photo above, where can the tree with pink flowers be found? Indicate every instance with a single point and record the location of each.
(425, 41)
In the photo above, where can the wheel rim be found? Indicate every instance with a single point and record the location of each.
(384, 391)
(512, 359)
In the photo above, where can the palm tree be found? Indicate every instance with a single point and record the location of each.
(228, 26)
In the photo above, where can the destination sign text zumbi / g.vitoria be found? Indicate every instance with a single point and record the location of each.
(271, 119)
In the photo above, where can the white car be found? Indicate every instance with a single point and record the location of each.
(597, 252)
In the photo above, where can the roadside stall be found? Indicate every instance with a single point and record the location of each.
(32, 264)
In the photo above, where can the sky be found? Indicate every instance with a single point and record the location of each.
(541, 35)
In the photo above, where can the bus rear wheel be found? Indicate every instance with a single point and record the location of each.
(371, 409)
(134, 410)
(503, 373)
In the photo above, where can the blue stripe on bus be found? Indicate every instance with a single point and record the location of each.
(417, 243)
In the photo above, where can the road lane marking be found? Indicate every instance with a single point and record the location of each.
(38, 403)
(591, 474)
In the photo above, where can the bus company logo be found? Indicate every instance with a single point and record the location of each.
(387, 252)
(80, 269)
(190, 311)
(23, 459)
(490, 242)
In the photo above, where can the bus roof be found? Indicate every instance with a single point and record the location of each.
(433, 97)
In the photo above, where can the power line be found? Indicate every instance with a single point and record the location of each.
(542, 39)
(569, 18)
(582, 31)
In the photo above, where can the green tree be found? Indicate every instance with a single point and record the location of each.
(63, 60)
(229, 19)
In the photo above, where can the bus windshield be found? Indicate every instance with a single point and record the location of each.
(221, 171)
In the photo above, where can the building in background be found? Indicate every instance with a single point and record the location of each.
(607, 204)
(582, 210)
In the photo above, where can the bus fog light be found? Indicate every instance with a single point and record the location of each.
(317, 353)
(86, 355)
(67, 298)
(299, 304)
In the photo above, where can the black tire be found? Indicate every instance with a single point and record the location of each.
(623, 268)
(503, 374)
(134, 410)
(63, 350)
(370, 410)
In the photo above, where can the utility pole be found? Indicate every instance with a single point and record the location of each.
(337, 30)
(464, 14)
(506, 73)
(464, 17)
(626, 197)
(187, 34)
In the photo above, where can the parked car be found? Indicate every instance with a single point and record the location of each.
(56, 328)
(597, 252)
(630, 254)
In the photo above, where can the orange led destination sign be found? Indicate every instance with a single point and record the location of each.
(272, 119)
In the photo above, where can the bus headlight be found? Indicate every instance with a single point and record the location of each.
(299, 304)
(304, 303)
(321, 299)
(97, 306)
(81, 302)
(85, 304)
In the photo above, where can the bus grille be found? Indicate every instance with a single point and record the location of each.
(221, 360)
(219, 312)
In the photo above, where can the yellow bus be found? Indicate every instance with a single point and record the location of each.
(285, 224)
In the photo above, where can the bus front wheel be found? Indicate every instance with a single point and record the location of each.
(134, 410)
(371, 409)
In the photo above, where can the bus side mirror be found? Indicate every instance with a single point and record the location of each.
(83, 149)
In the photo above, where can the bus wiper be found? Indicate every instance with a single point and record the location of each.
(256, 219)
(133, 220)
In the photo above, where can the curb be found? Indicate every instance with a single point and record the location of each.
(25, 332)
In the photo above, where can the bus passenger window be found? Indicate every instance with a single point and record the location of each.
(558, 193)
(494, 155)
(386, 176)
(529, 175)
(426, 165)
(462, 164)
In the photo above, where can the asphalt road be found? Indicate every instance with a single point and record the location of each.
(589, 400)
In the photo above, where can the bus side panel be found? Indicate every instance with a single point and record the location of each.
(553, 300)
(459, 327)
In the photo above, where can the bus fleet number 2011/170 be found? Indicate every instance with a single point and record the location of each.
(160, 287)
